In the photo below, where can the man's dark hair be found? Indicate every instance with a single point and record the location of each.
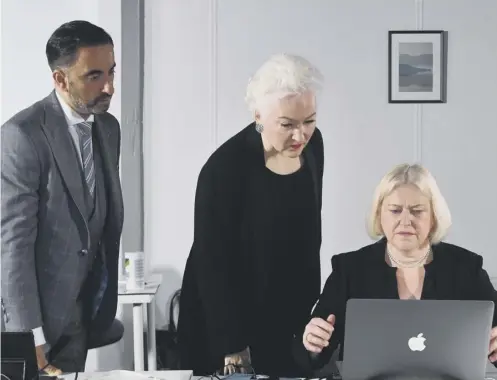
(63, 45)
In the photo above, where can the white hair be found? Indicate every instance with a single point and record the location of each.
(282, 75)
(420, 177)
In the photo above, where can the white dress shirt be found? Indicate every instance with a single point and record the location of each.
(72, 119)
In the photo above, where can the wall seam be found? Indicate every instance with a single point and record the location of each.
(213, 60)
(418, 108)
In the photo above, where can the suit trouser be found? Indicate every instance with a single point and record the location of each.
(70, 352)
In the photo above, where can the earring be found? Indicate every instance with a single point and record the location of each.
(259, 127)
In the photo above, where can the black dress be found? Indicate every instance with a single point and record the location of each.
(287, 231)
(253, 273)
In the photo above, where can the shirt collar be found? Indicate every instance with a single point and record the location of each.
(72, 117)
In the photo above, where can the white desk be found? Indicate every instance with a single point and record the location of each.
(159, 375)
(128, 375)
(138, 298)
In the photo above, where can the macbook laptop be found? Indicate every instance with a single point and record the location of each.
(427, 339)
(18, 356)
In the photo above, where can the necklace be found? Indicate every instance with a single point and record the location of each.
(411, 264)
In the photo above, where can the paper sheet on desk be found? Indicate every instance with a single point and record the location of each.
(122, 375)
(248, 376)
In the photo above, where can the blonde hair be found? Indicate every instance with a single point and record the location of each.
(282, 75)
(420, 177)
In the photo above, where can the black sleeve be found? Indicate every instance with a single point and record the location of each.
(484, 288)
(332, 301)
(217, 257)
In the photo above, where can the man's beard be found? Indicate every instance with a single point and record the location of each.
(95, 106)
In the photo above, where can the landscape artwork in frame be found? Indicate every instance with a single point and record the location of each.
(417, 66)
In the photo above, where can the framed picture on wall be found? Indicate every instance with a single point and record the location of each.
(417, 61)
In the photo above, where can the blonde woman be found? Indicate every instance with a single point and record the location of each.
(410, 261)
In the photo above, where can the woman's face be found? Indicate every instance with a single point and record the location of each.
(289, 123)
(406, 218)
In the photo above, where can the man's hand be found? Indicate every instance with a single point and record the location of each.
(43, 364)
(239, 362)
(492, 356)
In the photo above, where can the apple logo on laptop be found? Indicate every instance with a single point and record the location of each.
(417, 343)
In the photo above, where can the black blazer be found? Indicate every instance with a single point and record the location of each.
(216, 313)
(454, 274)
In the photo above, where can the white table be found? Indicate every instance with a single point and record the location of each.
(128, 375)
(159, 375)
(139, 298)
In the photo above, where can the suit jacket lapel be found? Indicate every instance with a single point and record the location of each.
(110, 169)
(58, 136)
(444, 282)
(311, 161)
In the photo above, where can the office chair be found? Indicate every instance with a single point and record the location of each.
(112, 335)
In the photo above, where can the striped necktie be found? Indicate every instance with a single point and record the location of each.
(86, 147)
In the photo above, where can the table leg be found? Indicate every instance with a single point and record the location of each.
(151, 345)
(138, 336)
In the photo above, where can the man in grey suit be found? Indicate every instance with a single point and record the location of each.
(62, 207)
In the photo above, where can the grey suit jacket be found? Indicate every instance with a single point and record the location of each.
(44, 230)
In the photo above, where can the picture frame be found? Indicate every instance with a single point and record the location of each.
(417, 66)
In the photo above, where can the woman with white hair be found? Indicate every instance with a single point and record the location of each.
(253, 273)
(411, 218)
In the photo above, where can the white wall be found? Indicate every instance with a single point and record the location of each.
(179, 134)
(199, 55)
(26, 26)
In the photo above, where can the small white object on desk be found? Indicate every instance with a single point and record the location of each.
(134, 265)
(139, 297)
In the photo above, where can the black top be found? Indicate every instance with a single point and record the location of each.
(454, 274)
(284, 208)
(253, 273)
